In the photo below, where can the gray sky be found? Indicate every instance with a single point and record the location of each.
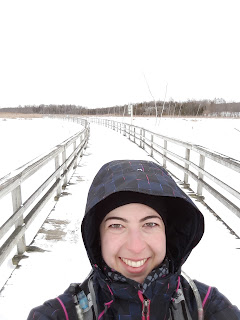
(96, 53)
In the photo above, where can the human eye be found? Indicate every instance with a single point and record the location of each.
(151, 225)
(115, 226)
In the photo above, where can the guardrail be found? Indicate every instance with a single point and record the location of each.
(193, 161)
(62, 159)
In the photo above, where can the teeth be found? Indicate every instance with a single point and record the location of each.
(134, 264)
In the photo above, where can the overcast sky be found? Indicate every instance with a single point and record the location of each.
(99, 53)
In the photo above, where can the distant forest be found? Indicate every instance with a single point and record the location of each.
(208, 108)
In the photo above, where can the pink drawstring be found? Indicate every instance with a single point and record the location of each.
(107, 304)
(109, 289)
(206, 297)
(178, 284)
(140, 295)
(64, 309)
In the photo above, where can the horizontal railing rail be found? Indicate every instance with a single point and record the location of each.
(64, 157)
(194, 161)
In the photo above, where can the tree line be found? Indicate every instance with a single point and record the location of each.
(216, 107)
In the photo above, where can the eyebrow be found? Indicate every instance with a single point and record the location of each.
(125, 220)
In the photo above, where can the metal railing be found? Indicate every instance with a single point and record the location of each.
(202, 165)
(63, 158)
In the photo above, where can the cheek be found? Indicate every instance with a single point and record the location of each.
(159, 244)
(109, 246)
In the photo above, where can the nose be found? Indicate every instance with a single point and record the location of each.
(135, 241)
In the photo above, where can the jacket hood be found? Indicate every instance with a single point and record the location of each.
(121, 182)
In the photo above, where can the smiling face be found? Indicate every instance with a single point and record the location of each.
(133, 240)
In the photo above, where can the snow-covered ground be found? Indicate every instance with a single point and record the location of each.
(218, 134)
(45, 274)
(23, 140)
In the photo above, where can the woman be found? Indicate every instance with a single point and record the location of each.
(138, 230)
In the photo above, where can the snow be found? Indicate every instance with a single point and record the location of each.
(27, 139)
(46, 274)
(219, 134)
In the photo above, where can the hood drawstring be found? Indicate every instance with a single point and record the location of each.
(107, 305)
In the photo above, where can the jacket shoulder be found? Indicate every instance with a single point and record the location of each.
(215, 305)
(60, 308)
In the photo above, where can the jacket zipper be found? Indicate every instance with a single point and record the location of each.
(145, 309)
(145, 306)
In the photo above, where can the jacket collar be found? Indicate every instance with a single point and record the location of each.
(122, 295)
(159, 281)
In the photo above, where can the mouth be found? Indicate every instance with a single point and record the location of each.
(134, 264)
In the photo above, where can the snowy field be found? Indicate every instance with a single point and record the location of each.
(43, 275)
(23, 140)
(219, 134)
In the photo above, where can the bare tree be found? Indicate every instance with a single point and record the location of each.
(163, 103)
(153, 98)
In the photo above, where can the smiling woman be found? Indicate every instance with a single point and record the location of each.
(139, 228)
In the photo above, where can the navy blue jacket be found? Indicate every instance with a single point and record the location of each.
(125, 181)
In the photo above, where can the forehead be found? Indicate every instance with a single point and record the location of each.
(132, 211)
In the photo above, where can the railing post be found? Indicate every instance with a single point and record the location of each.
(124, 130)
(59, 189)
(64, 157)
(151, 145)
(134, 134)
(200, 175)
(186, 165)
(143, 146)
(16, 204)
(81, 153)
(86, 134)
(140, 138)
(129, 132)
(74, 149)
(165, 154)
